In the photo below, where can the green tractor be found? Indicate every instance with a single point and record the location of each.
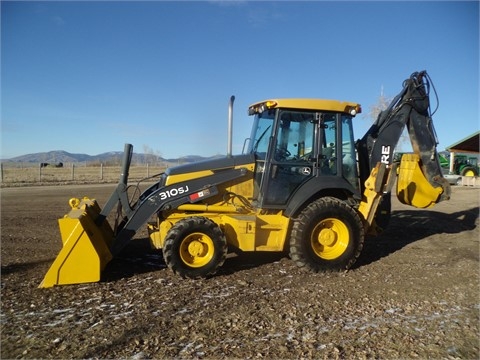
(464, 165)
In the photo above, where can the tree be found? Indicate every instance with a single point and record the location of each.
(150, 156)
(375, 110)
(381, 104)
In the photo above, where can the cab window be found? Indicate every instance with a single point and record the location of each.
(295, 136)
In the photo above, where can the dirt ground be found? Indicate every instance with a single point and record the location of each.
(414, 293)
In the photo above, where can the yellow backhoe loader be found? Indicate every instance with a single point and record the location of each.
(302, 186)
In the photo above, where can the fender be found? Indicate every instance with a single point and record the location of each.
(309, 190)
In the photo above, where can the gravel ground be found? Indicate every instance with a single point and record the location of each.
(414, 293)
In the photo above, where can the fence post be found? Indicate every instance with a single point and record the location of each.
(148, 171)
(1, 171)
(73, 171)
(101, 171)
(40, 172)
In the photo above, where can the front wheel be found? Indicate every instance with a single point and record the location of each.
(195, 247)
(327, 235)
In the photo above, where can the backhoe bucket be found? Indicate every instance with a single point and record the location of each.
(413, 188)
(86, 246)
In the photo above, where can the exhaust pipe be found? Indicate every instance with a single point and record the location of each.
(127, 159)
(230, 126)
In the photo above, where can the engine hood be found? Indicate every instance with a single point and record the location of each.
(217, 163)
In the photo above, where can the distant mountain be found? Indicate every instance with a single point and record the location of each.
(56, 156)
(188, 159)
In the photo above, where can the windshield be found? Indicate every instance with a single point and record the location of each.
(261, 132)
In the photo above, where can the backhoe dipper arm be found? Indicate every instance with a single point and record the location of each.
(411, 108)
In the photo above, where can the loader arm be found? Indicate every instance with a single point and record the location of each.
(159, 198)
(420, 181)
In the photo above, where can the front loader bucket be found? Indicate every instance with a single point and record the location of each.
(413, 188)
(86, 246)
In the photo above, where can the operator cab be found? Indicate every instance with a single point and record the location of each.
(297, 141)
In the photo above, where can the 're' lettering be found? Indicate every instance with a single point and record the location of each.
(385, 158)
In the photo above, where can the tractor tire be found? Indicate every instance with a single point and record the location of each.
(327, 235)
(469, 171)
(195, 247)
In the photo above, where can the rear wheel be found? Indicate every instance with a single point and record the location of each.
(195, 247)
(469, 171)
(327, 235)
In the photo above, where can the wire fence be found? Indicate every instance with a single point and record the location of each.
(21, 174)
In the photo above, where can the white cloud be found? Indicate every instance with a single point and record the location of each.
(58, 20)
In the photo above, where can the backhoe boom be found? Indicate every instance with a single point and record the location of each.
(411, 109)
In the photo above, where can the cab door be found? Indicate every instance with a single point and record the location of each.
(292, 158)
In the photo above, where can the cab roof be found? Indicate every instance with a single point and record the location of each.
(306, 104)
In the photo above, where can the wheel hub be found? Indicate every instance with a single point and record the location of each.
(196, 248)
(330, 239)
(327, 237)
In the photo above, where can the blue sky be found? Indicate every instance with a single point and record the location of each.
(87, 77)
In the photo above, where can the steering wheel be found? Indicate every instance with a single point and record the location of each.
(282, 153)
(305, 157)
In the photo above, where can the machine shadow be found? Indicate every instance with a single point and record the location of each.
(22, 267)
(250, 260)
(138, 258)
(409, 226)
